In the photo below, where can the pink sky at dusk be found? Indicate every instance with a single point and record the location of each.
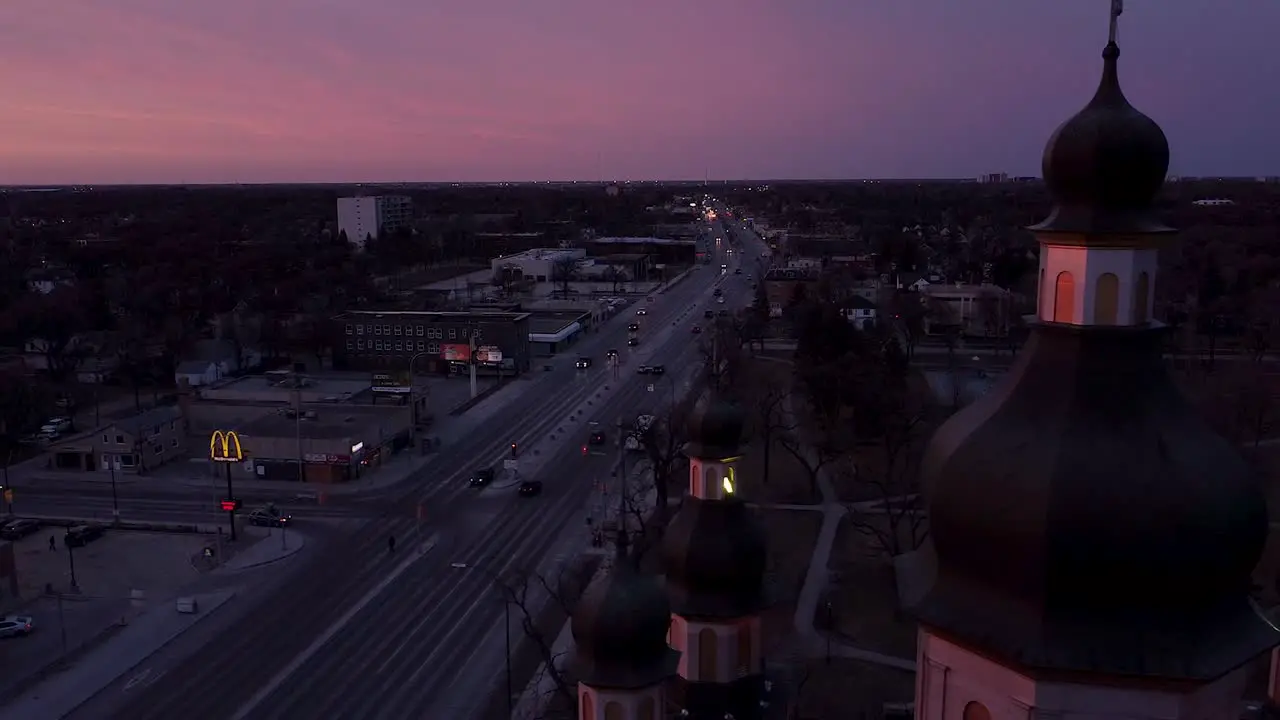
(339, 90)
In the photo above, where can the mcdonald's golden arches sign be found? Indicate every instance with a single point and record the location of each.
(225, 447)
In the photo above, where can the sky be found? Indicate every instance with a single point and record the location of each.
(173, 91)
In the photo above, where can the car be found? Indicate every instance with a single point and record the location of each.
(720, 299)
(597, 438)
(657, 370)
(269, 516)
(18, 529)
(723, 313)
(717, 292)
(82, 535)
(530, 488)
(482, 477)
(737, 271)
(642, 311)
(633, 327)
(697, 329)
(583, 363)
(708, 314)
(644, 370)
(16, 626)
(632, 342)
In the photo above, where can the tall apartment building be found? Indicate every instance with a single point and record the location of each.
(364, 217)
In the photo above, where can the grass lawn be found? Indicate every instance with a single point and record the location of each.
(792, 535)
(787, 480)
(864, 597)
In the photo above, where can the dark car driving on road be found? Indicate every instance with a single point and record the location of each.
(597, 438)
(530, 488)
(482, 477)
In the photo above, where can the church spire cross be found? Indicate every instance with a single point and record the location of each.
(1117, 8)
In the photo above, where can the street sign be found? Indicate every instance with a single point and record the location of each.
(511, 464)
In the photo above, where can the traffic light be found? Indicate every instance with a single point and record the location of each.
(513, 450)
(584, 450)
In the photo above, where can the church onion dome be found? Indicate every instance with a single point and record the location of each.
(1084, 518)
(620, 631)
(713, 553)
(1105, 166)
(715, 429)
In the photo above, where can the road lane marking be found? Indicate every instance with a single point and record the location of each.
(328, 634)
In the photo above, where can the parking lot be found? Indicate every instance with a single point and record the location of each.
(107, 571)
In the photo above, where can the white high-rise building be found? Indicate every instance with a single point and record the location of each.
(364, 217)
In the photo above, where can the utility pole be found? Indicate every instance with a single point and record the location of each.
(622, 474)
(297, 422)
(231, 514)
(115, 500)
(471, 360)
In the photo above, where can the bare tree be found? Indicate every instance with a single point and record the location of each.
(815, 447)
(662, 442)
(894, 519)
(722, 357)
(616, 276)
(525, 593)
(563, 272)
(1254, 404)
(769, 416)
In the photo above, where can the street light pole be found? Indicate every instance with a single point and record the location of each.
(71, 560)
(115, 500)
(231, 514)
(506, 617)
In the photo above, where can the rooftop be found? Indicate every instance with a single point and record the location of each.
(281, 387)
(552, 254)
(328, 423)
(433, 315)
(551, 321)
(643, 241)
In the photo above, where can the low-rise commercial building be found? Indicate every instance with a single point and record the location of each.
(432, 342)
(323, 443)
(538, 264)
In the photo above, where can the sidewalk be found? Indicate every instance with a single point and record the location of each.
(62, 693)
(276, 546)
(812, 642)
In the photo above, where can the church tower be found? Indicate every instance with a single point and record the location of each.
(621, 657)
(714, 555)
(1094, 539)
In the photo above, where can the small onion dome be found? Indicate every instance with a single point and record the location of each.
(1085, 518)
(1105, 166)
(620, 631)
(713, 552)
(715, 429)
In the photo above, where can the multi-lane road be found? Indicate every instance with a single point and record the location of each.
(364, 632)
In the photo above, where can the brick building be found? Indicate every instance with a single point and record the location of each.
(434, 342)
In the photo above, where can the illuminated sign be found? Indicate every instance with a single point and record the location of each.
(385, 384)
(357, 448)
(225, 447)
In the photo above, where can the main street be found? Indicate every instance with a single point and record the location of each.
(400, 651)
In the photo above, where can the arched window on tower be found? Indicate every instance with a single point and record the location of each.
(648, 709)
(588, 705)
(694, 471)
(744, 650)
(1106, 300)
(710, 481)
(1141, 294)
(708, 656)
(1064, 298)
(976, 711)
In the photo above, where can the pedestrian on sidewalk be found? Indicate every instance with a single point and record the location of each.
(53, 543)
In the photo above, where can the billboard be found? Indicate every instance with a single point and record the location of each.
(225, 447)
(489, 354)
(456, 353)
(391, 383)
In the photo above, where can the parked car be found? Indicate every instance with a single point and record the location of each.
(269, 516)
(18, 529)
(530, 488)
(82, 535)
(16, 626)
(482, 477)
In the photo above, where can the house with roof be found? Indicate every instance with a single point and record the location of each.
(130, 445)
(212, 360)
